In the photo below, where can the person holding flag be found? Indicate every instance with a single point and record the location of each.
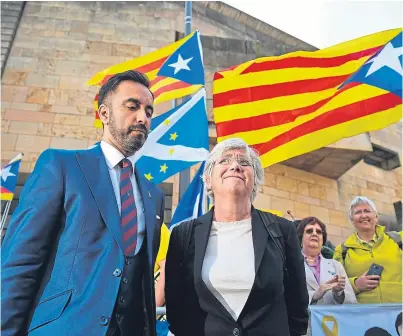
(79, 252)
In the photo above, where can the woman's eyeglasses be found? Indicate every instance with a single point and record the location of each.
(317, 231)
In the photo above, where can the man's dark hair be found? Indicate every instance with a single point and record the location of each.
(398, 322)
(115, 80)
(376, 331)
(310, 220)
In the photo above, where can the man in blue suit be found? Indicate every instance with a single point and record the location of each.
(79, 252)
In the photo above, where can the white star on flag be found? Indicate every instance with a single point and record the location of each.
(180, 64)
(389, 57)
(5, 173)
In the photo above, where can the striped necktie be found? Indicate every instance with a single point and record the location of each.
(128, 212)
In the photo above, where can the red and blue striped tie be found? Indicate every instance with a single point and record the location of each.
(128, 212)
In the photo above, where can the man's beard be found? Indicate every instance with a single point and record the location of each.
(128, 142)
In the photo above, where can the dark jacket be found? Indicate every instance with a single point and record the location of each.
(62, 257)
(277, 304)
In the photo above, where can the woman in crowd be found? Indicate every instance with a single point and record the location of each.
(325, 278)
(235, 270)
(367, 246)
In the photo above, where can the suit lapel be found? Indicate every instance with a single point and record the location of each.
(326, 270)
(93, 165)
(150, 213)
(259, 236)
(310, 277)
(206, 297)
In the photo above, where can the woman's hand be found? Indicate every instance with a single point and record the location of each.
(367, 282)
(325, 287)
(341, 284)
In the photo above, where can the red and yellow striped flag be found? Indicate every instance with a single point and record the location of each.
(290, 105)
(163, 88)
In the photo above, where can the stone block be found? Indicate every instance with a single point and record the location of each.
(61, 44)
(99, 48)
(282, 204)
(32, 143)
(300, 175)
(23, 127)
(321, 213)
(46, 66)
(29, 116)
(23, 64)
(102, 59)
(14, 77)
(8, 141)
(303, 188)
(81, 98)
(327, 204)
(101, 28)
(10, 93)
(126, 50)
(287, 184)
(67, 119)
(68, 110)
(58, 97)
(275, 192)
(302, 210)
(37, 95)
(277, 169)
(339, 218)
(73, 82)
(270, 180)
(25, 106)
(68, 143)
(79, 27)
(375, 186)
(42, 80)
(336, 240)
(262, 201)
(307, 199)
(317, 191)
(5, 124)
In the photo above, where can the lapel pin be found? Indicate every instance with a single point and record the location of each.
(149, 194)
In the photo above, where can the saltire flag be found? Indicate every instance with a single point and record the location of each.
(194, 201)
(9, 176)
(295, 103)
(178, 139)
(174, 71)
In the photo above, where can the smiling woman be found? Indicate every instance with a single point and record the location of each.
(325, 278)
(225, 271)
(371, 248)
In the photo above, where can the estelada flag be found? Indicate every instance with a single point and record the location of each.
(174, 71)
(9, 176)
(296, 103)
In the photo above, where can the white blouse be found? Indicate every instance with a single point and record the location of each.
(229, 264)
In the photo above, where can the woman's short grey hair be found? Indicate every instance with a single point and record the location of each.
(361, 200)
(231, 144)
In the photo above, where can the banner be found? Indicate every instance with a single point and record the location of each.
(357, 320)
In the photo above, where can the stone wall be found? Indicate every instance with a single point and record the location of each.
(60, 45)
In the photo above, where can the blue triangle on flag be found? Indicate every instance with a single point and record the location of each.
(186, 63)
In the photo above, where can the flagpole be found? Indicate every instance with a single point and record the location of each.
(4, 217)
(184, 176)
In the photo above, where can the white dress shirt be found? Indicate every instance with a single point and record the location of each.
(113, 157)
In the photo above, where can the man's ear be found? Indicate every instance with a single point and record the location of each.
(104, 113)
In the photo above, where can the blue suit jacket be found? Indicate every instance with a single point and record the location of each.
(63, 244)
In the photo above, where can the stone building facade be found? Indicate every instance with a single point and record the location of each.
(52, 48)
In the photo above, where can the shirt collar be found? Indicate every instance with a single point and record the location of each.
(372, 241)
(317, 258)
(113, 156)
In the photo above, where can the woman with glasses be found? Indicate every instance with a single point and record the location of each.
(236, 270)
(371, 257)
(325, 278)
